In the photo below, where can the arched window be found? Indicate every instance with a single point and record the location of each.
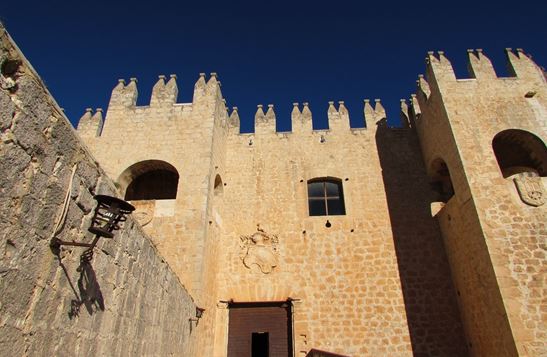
(442, 182)
(218, 187)
(519, 151)
(326, 197)
(150, 180)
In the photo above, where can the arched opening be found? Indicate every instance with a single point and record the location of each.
(518, 151)
(442, 182)
(149, 180)
(218, 187)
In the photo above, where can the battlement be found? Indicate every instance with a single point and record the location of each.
(338, 117)
(122, 107)
(164, 93)
(520, 66)
(439, 76)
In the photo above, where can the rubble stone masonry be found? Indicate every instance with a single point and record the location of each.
(128, 302)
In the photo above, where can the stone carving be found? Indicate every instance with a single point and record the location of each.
(143, 217)
(260, 249)
(530, 188)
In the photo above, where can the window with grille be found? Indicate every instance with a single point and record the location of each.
(326, 197)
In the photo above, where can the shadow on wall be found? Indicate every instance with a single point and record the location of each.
(430, 301)
(89, 291)
(318, 353)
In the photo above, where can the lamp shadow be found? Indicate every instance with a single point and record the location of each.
(88, 292)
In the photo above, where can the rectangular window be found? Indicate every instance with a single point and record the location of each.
(325, 197)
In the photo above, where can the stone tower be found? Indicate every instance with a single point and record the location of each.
(172, 145)
(482, 139)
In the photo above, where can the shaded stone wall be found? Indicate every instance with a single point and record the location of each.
(128, 301)
(495, 241)
(430, 298)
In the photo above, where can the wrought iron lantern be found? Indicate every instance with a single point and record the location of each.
(109, 213)
(199, 312)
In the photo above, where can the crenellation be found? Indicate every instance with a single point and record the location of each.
(270, 114)
(260, 116)
(212, 89)
(424, 91)
(343, 110)
(404, 114)
(199, 88)
(523, 66)
(124, 96)
(213, 83)
(86, 127)
(233, 119)
(84, 119)
(414, 111)
(164, 94)
(301, 122)
(98, 117)
(295, 113)
(338, 119)
(332, 114)
(479, 65)
(379, 110)
(438, 68)
(307, 115)
(368, 113)
(158, 91)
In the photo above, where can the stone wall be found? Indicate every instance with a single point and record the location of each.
(430, 298)
(342, 273)
(178, 134)
(356, 283)
(128, 301)
(495, 241)
(374, 281)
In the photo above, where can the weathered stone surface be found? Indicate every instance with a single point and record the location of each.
(8, 112)
(491, 235)
(51, 305)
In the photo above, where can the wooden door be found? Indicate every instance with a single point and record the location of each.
(260, 330)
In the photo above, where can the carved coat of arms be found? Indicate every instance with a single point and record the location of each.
(530, 189)
(143, 217)
(260, 249)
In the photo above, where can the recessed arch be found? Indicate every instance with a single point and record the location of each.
(149, 180)
(442, 181)
(519, 151)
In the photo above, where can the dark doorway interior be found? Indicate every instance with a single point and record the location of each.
(260, 329)
(260, 344)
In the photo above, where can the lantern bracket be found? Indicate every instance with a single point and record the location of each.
(109, 213)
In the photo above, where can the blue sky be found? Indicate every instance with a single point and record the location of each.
(264, 52)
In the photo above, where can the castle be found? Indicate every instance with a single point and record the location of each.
(424, 240)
